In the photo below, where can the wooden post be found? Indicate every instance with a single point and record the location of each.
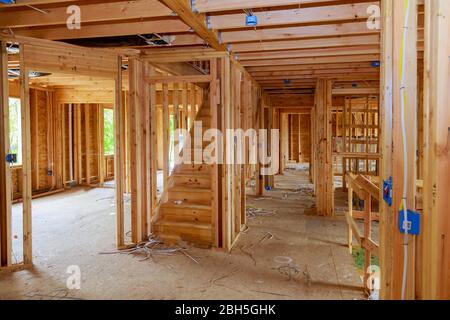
(119, 134)
(284, 141)
(176, 105)
(312, 168)
(134, 144)
(101, 144)
(185, 103)
(409, 88)
(350, 213)
(87, 135)
(216, 169)
(62, 106)
(436, 196)
(146, 226)
(324, 185)
(228, 174)
(5, 171)
(192, 102)
(71, 143)
(138, 150)
(166, 135)
(26, 160)
(367, 235)
(153, 144)
(79, 158)
(386, 100)
(34, 119)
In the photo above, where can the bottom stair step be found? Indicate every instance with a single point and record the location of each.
(197, 234)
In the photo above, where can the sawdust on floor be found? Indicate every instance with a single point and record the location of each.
(290, 254)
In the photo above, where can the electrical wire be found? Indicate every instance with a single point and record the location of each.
(404, 208)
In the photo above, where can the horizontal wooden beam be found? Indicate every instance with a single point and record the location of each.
(287, 74)
(308, 43)
(21, 3)
(311, 60)
(168, 25)
(346, 12)
(311, 67)
(167, 55)
(109, 11)
(288, 54)
(349, 75)
(227, 5)
(341, 29)
(355, 91)
(178, 79)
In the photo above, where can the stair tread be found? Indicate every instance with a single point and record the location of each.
(189, 189)
(186, 206)
(184, 174)
(198, 225)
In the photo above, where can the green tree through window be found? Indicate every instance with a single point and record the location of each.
(15, 129)
(109, 131)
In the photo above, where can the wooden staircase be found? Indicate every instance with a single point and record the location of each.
(187, 213)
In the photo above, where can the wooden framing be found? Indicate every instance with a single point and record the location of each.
(386, 94)
(119, 154)
(324, 185)
(410, 88)
(323, 48)
(26, 159)
(366, 191)
(5, 173)
(435, 260)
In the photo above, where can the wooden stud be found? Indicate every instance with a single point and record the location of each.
(5, 171)
(166, 135)
(436, 223)
(100, 144)
(34, 114)
(153, 144)
(215, 168)
(87, 143)
(63, 108)
(26, 160)
(323, 158)
(410, 89)
(119, 134)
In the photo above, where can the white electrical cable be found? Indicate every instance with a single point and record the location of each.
(405, 150)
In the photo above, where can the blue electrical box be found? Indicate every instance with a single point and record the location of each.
(11, 158)
(387, 191)
(251, 20)
(7, 1)
(375, 64)
(413, 225)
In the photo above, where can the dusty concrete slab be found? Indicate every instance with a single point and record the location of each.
(289, 255)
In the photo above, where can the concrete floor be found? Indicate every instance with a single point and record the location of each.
(289, 255)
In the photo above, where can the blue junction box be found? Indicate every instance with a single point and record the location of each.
(413, 222)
